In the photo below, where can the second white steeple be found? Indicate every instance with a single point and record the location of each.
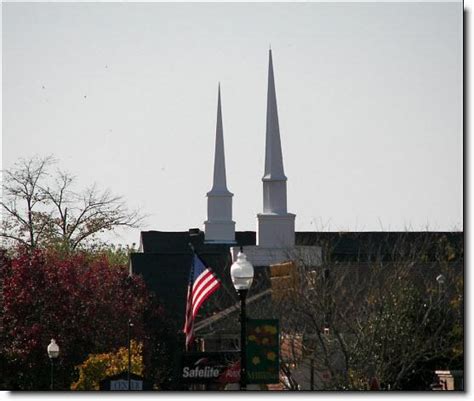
(276, 227)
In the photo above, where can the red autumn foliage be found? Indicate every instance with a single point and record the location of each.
(81, 300)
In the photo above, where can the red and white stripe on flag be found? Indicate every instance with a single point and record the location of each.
(202, 284)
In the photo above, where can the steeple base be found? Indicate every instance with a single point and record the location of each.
(276, 230)
(222, 232)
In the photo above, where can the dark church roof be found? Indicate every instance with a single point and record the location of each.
(177, 241)
(367, 245)
(343, 246)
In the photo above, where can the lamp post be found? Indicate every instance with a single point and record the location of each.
(53, 353)
(441, 280)
(241, 273)
(130, 325)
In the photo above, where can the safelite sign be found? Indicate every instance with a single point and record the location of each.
(210, 367)
(263, 358)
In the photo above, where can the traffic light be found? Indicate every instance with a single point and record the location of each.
(283, 279)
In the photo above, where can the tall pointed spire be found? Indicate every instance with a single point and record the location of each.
(219, 227)
(276, 227)
(273, 154)
(219, 184)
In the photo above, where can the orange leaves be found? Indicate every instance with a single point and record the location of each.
(100, 366)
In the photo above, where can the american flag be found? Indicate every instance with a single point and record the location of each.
(202, 284)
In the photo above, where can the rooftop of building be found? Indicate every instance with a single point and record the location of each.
(353, 245)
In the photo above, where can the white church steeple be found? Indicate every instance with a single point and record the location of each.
(219, 185)
(219, 227)
(276, 227)
(273, 155)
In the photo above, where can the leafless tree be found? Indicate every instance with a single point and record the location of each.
(41, 207)
(387, 315)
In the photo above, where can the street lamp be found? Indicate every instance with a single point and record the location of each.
(129, 329)
(241, 273)
(53, 353)
(441, 280)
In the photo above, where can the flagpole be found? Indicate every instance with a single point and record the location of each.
(191, 345)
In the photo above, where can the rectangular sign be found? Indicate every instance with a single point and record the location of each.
(119, 382)
(210, 367)
(263, 356)
(117, 385)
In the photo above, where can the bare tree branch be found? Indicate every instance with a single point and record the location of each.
(53, 212)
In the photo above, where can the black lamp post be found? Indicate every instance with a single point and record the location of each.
(241, 273)
(129, 330)
(440, 280)
(53, 353)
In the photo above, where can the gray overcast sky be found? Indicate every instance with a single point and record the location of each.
(369, 98)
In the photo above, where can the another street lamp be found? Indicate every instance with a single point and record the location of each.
(130, 325)
(241, 273)
(53, 353)
(441, 280)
